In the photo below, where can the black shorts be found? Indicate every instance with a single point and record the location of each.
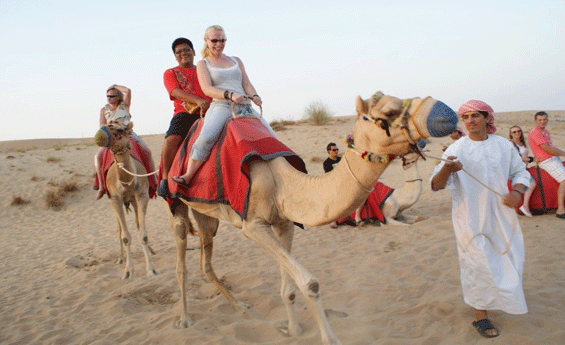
(181, 123)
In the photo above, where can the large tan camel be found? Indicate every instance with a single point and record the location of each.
(280, 195)
(125, 189)
(405, 196)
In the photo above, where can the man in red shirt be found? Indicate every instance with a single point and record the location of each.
(548, 157)
(182, 86)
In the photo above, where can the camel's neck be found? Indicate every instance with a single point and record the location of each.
(322, 199)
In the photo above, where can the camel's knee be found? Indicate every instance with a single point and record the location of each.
(313, 289)
(291, 297)
(288, 293)
(125, 240)
(146, 239)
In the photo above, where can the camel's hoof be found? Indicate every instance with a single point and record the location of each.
(291, 332)
(244, 305)
(184, 323)
(152, 273)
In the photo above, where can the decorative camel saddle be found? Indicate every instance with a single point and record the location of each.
(225, 176)
(372, 208)
(543, 198)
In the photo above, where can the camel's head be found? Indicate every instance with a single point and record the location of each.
(389, 125)
(113, 134)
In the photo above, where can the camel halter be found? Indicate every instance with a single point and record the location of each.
(367, 157)
(122, 166)
(401, 122)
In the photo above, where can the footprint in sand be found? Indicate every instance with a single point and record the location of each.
(392, 246)
(80, 262)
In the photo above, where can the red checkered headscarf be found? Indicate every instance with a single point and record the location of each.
(473, 106)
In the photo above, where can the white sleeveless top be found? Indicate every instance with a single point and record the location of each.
(121, 114)
(229, 78)
(522, 150)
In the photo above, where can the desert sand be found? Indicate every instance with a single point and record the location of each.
(380, 285)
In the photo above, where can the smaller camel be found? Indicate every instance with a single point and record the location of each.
(125, 189)
(405, 196)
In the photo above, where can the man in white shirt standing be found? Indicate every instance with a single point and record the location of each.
(489, 238)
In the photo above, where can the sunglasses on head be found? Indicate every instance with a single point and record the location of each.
(215, 40)
(111, 96)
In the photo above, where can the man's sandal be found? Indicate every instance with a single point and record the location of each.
(483, 326)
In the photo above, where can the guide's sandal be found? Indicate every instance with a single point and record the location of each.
(483, 326)
(561, 216)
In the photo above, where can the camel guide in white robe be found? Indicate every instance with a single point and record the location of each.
(489, 238)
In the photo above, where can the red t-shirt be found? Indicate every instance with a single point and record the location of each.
(536, 137)
(190, 85)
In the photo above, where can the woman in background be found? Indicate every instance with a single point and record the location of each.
(117, 110)
(516, 136)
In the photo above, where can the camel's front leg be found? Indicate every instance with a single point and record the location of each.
(207, 227)
(260, 232)
(119, 231)
(285, 234)
(140, 210)
(180, 227)
(117, 204)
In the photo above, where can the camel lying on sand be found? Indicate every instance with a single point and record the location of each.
(125, 189)
(405, 196)
(280, 195)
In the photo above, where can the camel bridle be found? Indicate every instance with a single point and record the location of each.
(402, 122)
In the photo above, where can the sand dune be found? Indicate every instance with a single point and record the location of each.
(380, 285)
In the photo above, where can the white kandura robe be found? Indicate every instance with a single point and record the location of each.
(489, 278)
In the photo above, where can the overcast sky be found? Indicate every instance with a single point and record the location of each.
(58, 57)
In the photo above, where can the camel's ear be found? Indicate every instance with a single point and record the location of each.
(362, 106)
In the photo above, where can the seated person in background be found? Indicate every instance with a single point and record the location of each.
(548, 157)
(333, 158)
(516, 136)
(329, 164)
(117, 110)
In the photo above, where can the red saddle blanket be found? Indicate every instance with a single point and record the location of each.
(225, 176)
(372, 209)
(138, 154)
(544, 197)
